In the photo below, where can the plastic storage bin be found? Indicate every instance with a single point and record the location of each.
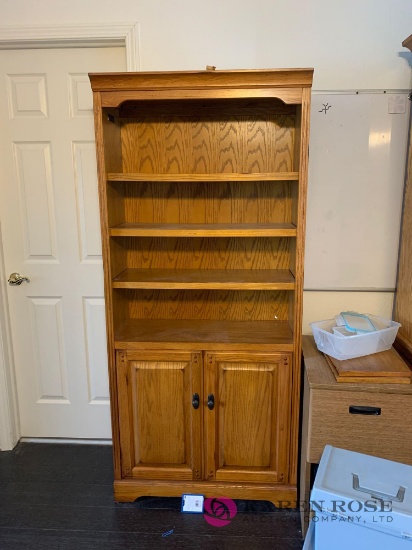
(360, 503)
(348, 347)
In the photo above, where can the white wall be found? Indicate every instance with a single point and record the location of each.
(352, 44)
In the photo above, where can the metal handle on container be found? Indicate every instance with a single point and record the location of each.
(399, 497)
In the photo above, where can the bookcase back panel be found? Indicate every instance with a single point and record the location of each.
(207, 253)
(226, 305)
(208, 202)
(218, 144)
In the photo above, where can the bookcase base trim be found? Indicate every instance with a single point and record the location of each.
(282, 496)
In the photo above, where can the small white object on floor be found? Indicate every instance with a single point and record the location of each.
(192, 504)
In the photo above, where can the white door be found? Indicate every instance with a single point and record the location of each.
(50, 233)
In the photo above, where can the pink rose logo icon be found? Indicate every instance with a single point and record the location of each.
(219, 511)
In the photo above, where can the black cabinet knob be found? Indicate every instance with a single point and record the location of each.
(195, 401)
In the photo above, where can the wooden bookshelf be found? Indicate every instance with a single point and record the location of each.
(202, 184)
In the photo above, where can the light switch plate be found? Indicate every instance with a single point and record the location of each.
(192, 504)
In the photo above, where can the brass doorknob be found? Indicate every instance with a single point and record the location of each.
(16, 279)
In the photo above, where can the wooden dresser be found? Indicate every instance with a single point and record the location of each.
(326, 419)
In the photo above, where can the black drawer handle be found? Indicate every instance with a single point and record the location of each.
(359, 409)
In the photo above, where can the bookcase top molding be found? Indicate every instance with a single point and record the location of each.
(197, 80)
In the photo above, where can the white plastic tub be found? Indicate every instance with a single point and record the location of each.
(360, 502)
(349, 347)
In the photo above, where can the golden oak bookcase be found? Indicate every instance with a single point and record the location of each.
(202, 184)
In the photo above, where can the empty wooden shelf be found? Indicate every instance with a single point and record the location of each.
(203, 230)
(202, 185)
(233, 279)
(279, 176)
(161, 333)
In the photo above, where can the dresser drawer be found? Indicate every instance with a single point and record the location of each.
(387, 435)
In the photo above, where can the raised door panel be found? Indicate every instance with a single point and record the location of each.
(247, 430)
(160, 430)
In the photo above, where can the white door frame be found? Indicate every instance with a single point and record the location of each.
(9, 412)
(31, 37)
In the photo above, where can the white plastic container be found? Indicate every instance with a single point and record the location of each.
(349, 347)
(342, 332)
(360, 502)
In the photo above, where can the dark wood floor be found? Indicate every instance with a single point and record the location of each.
(59, 497)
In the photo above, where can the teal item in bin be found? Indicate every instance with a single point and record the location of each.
(357, 322)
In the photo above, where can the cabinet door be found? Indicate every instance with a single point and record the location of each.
(160, 423)
(247, 430)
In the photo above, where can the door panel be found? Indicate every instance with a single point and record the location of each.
(160, 430)
(50, 229)
(247, 430)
